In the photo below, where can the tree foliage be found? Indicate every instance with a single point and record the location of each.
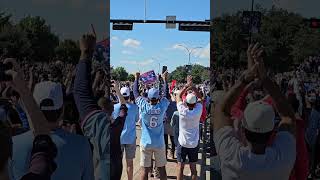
(131, 78)
(198, 72)
(68, 50)
(42, 40)
(119, 73)
(286, 38)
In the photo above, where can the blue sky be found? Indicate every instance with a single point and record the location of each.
(150, 44)
(147, 45)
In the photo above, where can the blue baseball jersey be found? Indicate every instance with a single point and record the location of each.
(128, 135)
(152, 116)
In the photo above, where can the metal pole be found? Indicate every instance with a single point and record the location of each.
(189, 58)
(251, 16)
(107, 63)
(145, 10)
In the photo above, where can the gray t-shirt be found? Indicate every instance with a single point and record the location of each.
(74, 159)
(238, 162)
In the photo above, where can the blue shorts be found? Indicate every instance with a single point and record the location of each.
(183, 153)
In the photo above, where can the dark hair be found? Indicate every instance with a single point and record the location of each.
(13, 116)
(294, 102)
(51, 115)
(257, 138)
(191, 105)
(11, 92)
(126, 98)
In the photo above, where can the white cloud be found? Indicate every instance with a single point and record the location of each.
(131, 43)
(126, 52)
(114, 38)
(139, 63)
(179, 47)
(203, 53)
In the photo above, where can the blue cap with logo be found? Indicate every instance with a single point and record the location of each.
(153, 93)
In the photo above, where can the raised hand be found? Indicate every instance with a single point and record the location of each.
(252, 52)
(165, 75)
(87, 44)
(137, 75)
(189, 81)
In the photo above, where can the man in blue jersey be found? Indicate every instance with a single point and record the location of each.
(128, 135)
(152, 113)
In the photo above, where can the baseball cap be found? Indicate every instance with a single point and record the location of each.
(125, 91)
(153, 93)
(48, 90)
(191, 98)
(259, 117)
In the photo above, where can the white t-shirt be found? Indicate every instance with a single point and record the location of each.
(189, 125)
(239, 163)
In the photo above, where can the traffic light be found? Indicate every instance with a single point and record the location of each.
(125, 26)
(204, 26)
(315, 23)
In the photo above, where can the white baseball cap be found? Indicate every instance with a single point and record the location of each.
(259, 117)
(49, 90)
(191, 98)
(125, 91)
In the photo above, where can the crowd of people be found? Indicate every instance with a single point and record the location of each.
(266, 124)
(59, 122)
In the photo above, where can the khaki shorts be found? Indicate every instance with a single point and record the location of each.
(129, 150)
(147, 154)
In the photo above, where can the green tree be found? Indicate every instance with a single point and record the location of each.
(4, 19)
(42, 40)
(68, 50)
(286, 38)
(179, 74)
(119, 74)
(198, 72)
(131, 78)
(14, 42)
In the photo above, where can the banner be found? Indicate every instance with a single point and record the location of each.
(148, 77)
(102, 51)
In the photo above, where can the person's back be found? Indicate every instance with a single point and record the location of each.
(152, 122)
(74, 159)
(128, 135)
(189, 124)
(238, 162)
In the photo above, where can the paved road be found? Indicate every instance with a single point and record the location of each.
(171, 166)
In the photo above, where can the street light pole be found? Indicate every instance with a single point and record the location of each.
(145, 10)
(190, 51)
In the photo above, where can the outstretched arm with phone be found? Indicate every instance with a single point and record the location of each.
(37, 120)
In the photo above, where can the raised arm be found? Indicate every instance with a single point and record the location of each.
(136, 86)
(197, 93)
(82, 91)
(283, 107)
(223, 110)
(117, 89)
(165, 84)
(185, 89)
(37, 120)
(31, 79)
